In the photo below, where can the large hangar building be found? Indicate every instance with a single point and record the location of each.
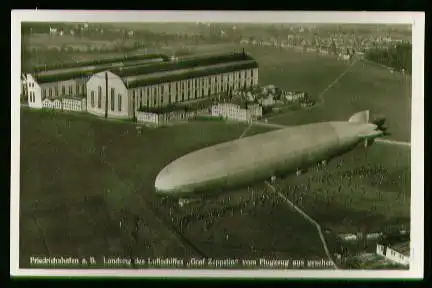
(70, 79)
(121, 91)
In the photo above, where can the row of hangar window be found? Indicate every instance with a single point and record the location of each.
(196, 82)
(185, 92)
(52, 91)
(112, 99)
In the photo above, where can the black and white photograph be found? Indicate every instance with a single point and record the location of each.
(217, 144)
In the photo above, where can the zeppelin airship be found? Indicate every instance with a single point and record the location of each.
(263, 156)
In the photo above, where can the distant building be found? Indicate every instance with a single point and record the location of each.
(323, 51)
(267, 101)
(396, 250)
(244, 41)
(344, 57)
(65, 104)
(171, 114)
(52, 31)
(293, 96)
(237, 112)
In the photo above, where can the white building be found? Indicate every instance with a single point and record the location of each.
(237, 112)
(74, 104)
(65, 104)
(23, 88)
(147, 117)
(398, 253)
(267, 101)
(51, 104)
(323, 52)
(344, 57)
(293, 96)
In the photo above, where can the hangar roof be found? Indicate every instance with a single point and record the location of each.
(142, 70)
(110, 60)
(187, 63)
(183, 74)
(85, 69)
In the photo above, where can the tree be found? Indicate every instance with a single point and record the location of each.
(397, 57)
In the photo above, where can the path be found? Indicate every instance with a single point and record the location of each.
(393, 142)
(308, 218)
(260, 123)
(246, 130)
(335, 81)
(321, 95)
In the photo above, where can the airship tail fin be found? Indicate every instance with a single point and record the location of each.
(360, 117)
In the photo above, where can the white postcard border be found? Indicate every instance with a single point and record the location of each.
(417, 136)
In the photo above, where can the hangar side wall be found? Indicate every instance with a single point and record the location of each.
(165, 94)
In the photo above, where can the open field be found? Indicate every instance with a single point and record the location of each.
(78, 181)
(295, 71)
(47, 40)
(365, 86)
(248, 224)
(363, 189)
(162, 28)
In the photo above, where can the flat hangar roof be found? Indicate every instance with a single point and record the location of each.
(152, 72)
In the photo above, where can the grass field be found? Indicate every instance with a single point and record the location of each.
(78, 181)
(295, 71)
(45, 41)
(365, 86)
(248, 223)
(363, 189)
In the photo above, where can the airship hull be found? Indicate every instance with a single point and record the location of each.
(254, 174)
(255, 158)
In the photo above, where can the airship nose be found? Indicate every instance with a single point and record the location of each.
(162, 183)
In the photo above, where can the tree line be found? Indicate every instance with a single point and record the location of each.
(397, 57)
